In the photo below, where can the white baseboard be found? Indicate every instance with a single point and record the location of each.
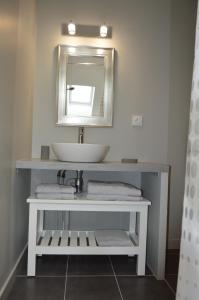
(12, 273)
(174, 244)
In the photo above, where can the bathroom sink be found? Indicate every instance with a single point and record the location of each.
(75, 152)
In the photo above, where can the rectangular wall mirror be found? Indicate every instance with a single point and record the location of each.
(85, 86)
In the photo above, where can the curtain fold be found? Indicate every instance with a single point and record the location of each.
(188, 278)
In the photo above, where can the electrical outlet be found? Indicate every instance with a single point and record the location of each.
(137, 120)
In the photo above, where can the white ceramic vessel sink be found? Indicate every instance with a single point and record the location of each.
(75, 152)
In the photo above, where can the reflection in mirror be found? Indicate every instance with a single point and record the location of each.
(85, 94)
(85, 86)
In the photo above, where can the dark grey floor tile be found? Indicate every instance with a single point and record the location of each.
(37, 289)
(90, 288)
(124, 265)
(52, 265)
(46, 265)
(172, 262)
(173, 251)
(22, 267)
(142, 288)
(172, 281)
(89, 265)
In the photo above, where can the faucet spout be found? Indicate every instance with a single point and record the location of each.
(81, 135)
(79, 182)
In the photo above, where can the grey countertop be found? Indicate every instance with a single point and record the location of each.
(103, 166)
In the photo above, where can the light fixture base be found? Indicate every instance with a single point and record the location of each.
(92, 31)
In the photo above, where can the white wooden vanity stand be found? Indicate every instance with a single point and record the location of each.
(84, 242)
(154, 184)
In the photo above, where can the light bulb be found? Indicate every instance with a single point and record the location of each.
(103, 30)
(71, 28)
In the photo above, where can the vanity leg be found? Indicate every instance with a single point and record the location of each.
(142, 233)
(40, 225)
(32, 236)
(132, 222)
(132, 225)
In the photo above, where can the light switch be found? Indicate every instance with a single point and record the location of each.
(137, 120)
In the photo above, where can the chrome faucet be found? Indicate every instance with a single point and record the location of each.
(79, 182)
(81, 135)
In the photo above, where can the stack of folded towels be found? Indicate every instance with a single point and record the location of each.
(108, 238)
(99, 190)
(54, 191)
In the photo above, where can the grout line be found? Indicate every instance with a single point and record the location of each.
(116, 279)
(108, 275)
(169, 286)
(69, 276)
(66, 277)
(42, 276)
(135, 275)
(100, 275)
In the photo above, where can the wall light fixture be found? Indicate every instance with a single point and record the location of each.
(102, 31)
(71, 28)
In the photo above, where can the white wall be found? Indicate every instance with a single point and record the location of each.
(145, 44)
(141, 39)
(16, 79)
(8, 30)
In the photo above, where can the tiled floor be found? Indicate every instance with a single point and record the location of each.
(87, 278)
(172, 262)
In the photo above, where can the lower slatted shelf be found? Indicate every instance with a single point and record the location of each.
(79, 242)
(64, 238)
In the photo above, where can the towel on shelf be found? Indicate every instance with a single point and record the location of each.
(112, 197)
(112, 188)
(111, 238)
(53, 188)
(60, 196)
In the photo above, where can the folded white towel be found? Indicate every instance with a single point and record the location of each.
(54, 188)
(112, 188)
(112, 197)
(55, 196)
(108, 238)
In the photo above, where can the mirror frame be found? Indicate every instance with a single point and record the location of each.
(63, 52)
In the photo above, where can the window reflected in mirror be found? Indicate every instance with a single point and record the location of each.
(85, 86)
(80, 100)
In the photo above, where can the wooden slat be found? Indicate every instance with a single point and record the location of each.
(73, 238)
(82, 239)
(55, 238)
(91, 239)
(39, 237)
(46, 238)
(64, 238)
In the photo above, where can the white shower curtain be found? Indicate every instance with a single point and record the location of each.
(188, 278)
